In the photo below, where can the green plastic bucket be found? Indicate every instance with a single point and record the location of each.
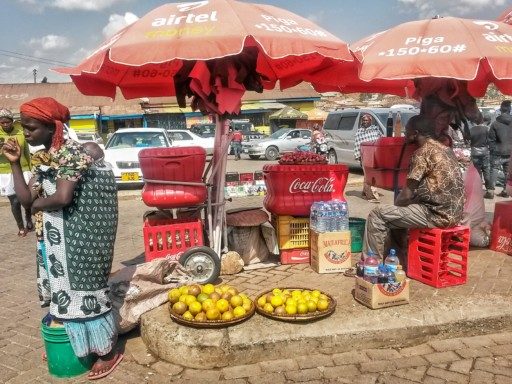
(62, 361)
(356, 226)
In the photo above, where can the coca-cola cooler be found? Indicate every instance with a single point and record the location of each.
(386, 161)
(292, 189)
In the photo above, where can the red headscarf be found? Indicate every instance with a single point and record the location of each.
(48, 110)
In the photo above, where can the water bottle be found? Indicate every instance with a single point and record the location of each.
(382, 277)
(360, 266)
(399, 274)
(321, 218)
(344, 216)
(313, 217)
(371, 265)
(334, 215)
(392, 260)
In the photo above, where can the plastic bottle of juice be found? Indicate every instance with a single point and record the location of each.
(371, 268)
(399, 274)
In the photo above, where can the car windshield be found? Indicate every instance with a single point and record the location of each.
(137, 140)
(204, 130)
(85, 136)
(404, 117)
(279, 133)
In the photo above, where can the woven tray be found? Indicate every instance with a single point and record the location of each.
(297, 318)
(211, 323)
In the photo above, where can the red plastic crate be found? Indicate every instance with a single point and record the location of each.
(171, 237)
(294, 256)
(246, 176)
(438, 256)
(501, 233)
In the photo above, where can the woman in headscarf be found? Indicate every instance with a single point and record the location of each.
(8, 131)
(79, 222)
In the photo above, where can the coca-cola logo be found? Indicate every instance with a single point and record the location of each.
(320, 185)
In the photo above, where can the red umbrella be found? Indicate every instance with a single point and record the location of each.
(475, 51)
(506, 16)
(212, 51)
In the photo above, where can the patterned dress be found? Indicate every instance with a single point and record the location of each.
(75, 254)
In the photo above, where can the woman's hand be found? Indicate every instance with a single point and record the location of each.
(12, 150)
(35, 207)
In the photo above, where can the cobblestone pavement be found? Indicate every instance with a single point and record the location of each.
(486, 358)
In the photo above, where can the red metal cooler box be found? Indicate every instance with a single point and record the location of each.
(292, 189)
(381, 158)
(173, 164)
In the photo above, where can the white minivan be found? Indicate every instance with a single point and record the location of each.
(341, 127)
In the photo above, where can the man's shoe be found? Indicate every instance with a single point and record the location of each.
(489, 195)
(503, 194)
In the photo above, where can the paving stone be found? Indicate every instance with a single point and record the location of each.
(408, 362)
(422, 349)
(341, 371)
(469, 353)
(441, 357)
(433, 380)
(499, 379)
(447, 375)
(382, 354)
(313, 361)
(492, 368)
(446, 345)
(353, 357)
(503, 349)
(502, 338)
(478, 376)
(279, 365)
(164, 367)
(304, 375)
(369, 378)
(478, 341)
(378, 366)
(201, 375)
(414, 374)
(462, 366)
(268, 378)
(241, 371)
(7, 373)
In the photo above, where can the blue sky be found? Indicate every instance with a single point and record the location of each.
(42, 34)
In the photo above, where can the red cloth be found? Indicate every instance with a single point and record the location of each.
(48, 110)
(237, 136)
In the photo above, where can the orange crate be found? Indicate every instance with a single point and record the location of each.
(171, 237)
(292, 232)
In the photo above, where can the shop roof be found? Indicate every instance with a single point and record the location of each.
(13, 95)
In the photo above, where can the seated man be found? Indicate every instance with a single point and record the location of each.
(433, 196)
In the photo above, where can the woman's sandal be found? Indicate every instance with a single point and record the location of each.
(108, 367)
(22, 232)
(351, 272)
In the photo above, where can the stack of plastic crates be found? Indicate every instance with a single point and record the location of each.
(293, 238)
(170, 237)
(438, 256)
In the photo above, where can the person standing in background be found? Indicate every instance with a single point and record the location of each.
(480, 154)
(236, 141)
(7, 132)
(367, 132)
(500, 145)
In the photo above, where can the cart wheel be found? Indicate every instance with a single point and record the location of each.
(202, 263)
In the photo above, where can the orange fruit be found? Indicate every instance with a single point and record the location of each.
(222, 305)
(195, 308)
(322, 305)
(236, 301)
(239, 312)
(213, 314)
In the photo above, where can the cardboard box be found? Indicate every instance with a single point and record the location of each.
(376, 296)
(330, 251)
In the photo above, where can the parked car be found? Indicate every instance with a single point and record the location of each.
(341, 127)
(247, 129)
(123, 147)
(85, 137)
(186, 138)
(283, 140)
(203, 129)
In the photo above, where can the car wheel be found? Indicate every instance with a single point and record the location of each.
(254, 157)
(331, 157)
(272, 153)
